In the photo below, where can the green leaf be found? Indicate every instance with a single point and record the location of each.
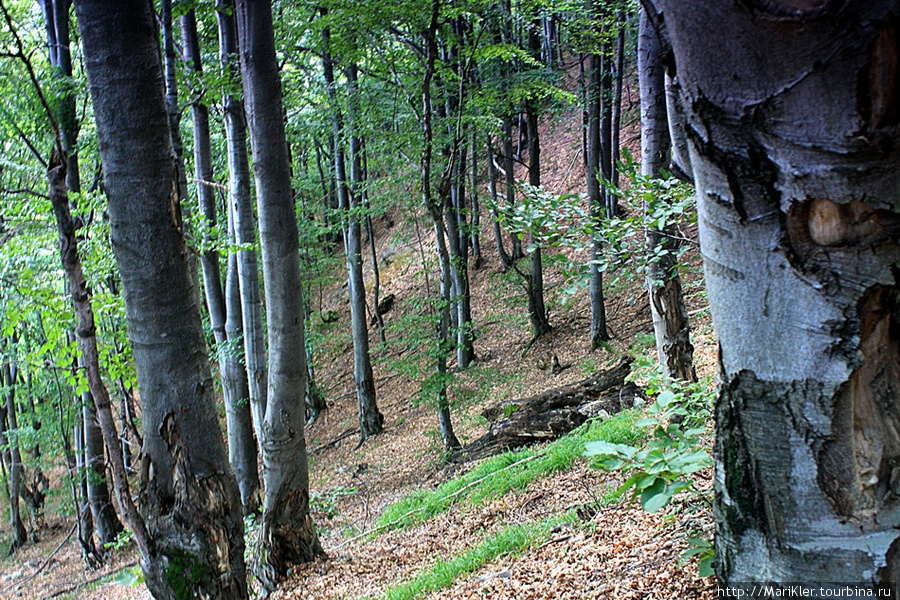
(656, 496)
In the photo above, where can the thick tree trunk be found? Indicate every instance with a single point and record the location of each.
(793, 135)
(371, 421)
(287, 533)
(670, 318)
(240, 202)
(239, 422)
(186, 478)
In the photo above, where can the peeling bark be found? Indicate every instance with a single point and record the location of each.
(794, 152)
(189, 530)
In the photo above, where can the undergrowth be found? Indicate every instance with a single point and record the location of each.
(512, 539)
(511, 470)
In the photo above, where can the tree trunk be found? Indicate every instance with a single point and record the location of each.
(106, 521)
(505, 258)
(434, 207)
(185, 477)
(239, 422)
(509, 167)
(240, 202)
(287, 533)
(371, 421)
(793, 135)
(475, 229)
(670, 318)
(13, 457)
(591, 143)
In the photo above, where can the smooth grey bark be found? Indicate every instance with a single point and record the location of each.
(793, 126)
(240, 202)
(670, 318)
(189, 530)
(287, 533)
(371, 421)
(680, 163)
(242, 452)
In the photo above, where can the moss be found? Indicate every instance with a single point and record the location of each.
(184, 572)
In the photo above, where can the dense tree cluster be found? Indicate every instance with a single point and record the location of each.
(351, 113)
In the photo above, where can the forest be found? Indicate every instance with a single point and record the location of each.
(449, 299)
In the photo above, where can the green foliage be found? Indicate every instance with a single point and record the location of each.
(511, 539)
(662, 467)
(512, 470)
(325, 503)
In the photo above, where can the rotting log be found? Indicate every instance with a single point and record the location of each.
(553, 413)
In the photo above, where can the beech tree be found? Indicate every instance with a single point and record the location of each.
(792, 115)
(189, 530)
(670, 318)
(287, 533)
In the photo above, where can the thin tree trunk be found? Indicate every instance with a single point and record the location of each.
(670, 319)
(287, 533)
(537, 312)
(13, 457)
(593, 99)
(434, 208)
(618, 77)
(242, 452)
(185, 475)
(509, 167)
(240, 202)
(505, 258)
(475, 230)
(106, 521)
(371, 421)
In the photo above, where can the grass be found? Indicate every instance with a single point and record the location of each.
(512, 539)
(511, 470)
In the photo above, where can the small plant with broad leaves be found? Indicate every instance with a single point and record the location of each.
(661, 468)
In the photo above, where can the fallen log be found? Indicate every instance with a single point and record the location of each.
(552, 414)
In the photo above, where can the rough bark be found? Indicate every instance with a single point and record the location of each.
(792, 121)
(240, 202)
(287, 533)
(551, 414)
(189, 530)
(242, 452)
(670, 318)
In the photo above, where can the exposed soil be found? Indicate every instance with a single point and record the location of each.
(620, 552)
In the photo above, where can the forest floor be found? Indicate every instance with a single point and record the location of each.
(612, 550)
